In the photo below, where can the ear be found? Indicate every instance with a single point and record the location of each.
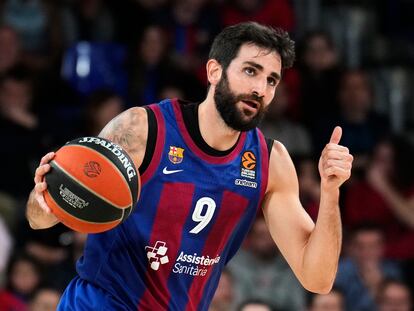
(214, 71)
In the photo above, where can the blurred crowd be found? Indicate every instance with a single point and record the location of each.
(67, 67)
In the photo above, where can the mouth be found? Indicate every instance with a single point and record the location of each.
(252, 104)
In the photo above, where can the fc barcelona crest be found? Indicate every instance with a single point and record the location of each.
(176, 155)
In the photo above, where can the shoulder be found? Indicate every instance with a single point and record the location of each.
(282, 171)
(129, 130)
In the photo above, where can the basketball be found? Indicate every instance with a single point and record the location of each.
(93, 185)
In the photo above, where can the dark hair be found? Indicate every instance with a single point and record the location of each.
(364, 227)
(226, 45)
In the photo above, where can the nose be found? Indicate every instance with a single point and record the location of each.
(259, 88)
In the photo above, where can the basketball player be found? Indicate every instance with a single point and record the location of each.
(205, 170)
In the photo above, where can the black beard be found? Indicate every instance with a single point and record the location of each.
(226, 104)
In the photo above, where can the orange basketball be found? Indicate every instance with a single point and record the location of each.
(93, 185)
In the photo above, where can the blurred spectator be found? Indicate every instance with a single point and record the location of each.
(102, 106)
(87, 20)
(223, 299)
(152, 70)
(132, 16)
(52, 248)
(191, 26)
(320, 73)
(9, 49)
(360, 273)
(276, 125)
(275, 13)
(260, 271)
(171, 91)
(149, 66)
(6, 243)
(333, 301)
(24, 274)
(394, 295)
(37, 25)
(19, 131)
(385, 196)
(256, 305)
(45, 299)
(362, 127)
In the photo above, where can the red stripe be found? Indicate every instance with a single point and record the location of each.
(232, 208)
(264, 166)
(172, 212)
(159, 145)
(194, 148)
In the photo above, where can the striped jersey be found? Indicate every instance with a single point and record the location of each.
(193, 213)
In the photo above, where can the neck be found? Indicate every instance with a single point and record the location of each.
(214, 130)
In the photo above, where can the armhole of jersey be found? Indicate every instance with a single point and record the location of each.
(151, 140)
(269, 144)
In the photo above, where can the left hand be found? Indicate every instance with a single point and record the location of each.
(335, 163)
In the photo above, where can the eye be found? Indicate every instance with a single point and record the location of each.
(249, 71)
(272, 81)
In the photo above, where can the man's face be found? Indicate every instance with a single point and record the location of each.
(247, 87)
(395, 298)
(367, 247)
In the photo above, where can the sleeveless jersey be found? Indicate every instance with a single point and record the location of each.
(192, 216)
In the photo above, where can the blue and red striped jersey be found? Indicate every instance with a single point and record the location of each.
(192, 216)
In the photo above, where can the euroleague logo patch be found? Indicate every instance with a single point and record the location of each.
(248, 165)
(92, 169)
(249, 160)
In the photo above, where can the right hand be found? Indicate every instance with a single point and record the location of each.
(40, 183)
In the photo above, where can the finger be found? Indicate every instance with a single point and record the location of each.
(336, 135)
(337, 155)
(40, 187)
(337, 172)
(336, 147)
(47, 158)
(40, 172)
(338, 163)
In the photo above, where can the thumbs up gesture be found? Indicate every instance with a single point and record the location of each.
(335, 162)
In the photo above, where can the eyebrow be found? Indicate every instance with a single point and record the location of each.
(260, 67)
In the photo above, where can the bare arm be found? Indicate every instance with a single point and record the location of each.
(312, 250)
(129, 130)
(402, 207)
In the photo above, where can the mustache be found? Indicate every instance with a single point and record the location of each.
(250, 97)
